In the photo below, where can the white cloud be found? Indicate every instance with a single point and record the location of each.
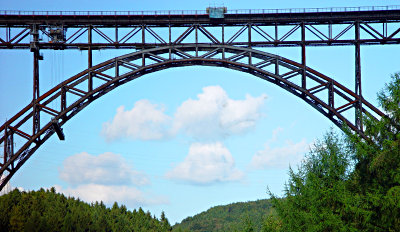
(107, 168)
(214, 115)
(206, 164)
(145, 121)
(280, 157)
(8, 188)
(129, 196)
(106, 177)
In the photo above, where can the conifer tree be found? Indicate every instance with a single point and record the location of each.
(348, 183)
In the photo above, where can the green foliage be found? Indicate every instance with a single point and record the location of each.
(248, 225)
(165, 223)
(348, 183)
(316, 194)
(245, 216)
(376, 178)
(45, 210)
(272, 223)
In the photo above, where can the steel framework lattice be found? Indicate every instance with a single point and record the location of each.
(174, 39)
(321, 92)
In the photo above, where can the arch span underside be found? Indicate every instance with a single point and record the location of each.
(38, 121)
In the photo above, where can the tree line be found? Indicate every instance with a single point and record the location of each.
(46, 210)
(235, 217)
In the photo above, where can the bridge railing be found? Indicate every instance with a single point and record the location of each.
(202, 12)
(314, 10)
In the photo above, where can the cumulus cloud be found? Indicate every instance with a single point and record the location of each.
(206, 164)
(106, 177)
(280, 157)
(145, 121)
(8, 188)
(130, 196)
(214, 115)
(105, 169)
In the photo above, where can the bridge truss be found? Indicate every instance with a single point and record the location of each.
(170, 39)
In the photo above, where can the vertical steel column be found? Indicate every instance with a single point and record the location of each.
(249, 32)
(143, 35)
(277, 67)
(36, 93)
(90, 78)
(303, 55)
(5, 144)
(10, 146)
(277, 60)
(197, 39)
(116, 34)
(358, 89)
(63, 98)
(223, 34)
(143, 43)
(169, 34)
(8, 34)
(223, 41)
(116, 68)
(384, 25)
(170, 41)
(331, 99)
(276, 34)
(36, 74)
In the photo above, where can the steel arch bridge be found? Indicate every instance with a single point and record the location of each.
(327, 96)
(321, 93)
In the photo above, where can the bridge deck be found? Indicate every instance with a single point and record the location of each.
(264, 28)
(187, 18)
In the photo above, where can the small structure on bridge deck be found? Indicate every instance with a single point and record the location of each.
(216, 12)
(57, 34)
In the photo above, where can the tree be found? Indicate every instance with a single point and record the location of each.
(315, 194)
(247, 225)
(165, 226)
(348, 183)
(49, 211)
(6, 204)
(376, 178)
(272, 223)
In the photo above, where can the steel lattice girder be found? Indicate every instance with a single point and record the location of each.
(275, 69)
(114, 30)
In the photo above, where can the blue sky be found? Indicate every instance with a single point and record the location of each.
(185, 139)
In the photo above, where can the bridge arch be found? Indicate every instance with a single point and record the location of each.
(326, 95)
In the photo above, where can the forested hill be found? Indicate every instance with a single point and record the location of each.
(243, 216)
(46, 210)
